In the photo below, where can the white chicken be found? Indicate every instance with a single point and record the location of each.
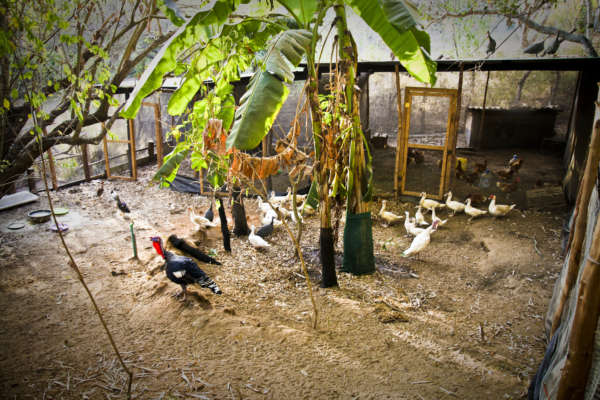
(499, 210)
(256, 241)
(472, 211)
(455, 206)
(420, 241)
(410, 226)
(200, 223)
(428, 204)
(419, 218)
(388, 216)
(434, 219)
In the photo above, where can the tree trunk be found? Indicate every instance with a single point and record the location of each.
(358, 232)
(322, 167)
(238, 212)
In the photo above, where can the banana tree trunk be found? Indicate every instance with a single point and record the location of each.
(326, 239)
(358, 232)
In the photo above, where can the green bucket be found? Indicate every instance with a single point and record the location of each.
(358, 244)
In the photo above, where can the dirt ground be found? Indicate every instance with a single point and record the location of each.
(464, 321)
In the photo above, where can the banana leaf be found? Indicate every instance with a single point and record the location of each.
(267, 90)
(302, 10)
(396, 26)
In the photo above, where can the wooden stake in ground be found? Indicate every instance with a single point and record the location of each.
(580, 223)
(581, 343)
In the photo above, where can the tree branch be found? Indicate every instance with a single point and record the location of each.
(531, 24)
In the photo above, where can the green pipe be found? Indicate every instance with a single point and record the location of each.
(133, 243)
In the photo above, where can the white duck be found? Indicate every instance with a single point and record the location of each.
(262, 205)
(280, 200)
(269, 214)
(420, 241)
(256, 241)
(472, 211)
(388, 216)
(199, 221)
(419, 218)
(428, 204)
(440, 221)
(499, 210)
(307, 209)
(409, 225)
(455, 206)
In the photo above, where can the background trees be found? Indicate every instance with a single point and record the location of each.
(64, 61)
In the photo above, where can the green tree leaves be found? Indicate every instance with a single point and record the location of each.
(197, 29)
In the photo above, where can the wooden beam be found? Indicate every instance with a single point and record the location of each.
(480, 138)
(581, 342)
(580, 223)
(133, 154)
(157, 130)
(399, 142)
(452, 159)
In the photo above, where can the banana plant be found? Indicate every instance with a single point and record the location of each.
(393, 20)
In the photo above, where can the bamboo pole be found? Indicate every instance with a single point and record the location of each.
(581, 343)
(399, 142)
(579, 226)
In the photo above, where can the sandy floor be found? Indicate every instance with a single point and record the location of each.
(464, 321)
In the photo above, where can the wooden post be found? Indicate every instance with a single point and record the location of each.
(52, 169)
(105, 146)
(580, 223)
(132, 147)
(452, 162)
(86, 164)
(399, 142)
(581, 343)
(51, 164)
(479, 137)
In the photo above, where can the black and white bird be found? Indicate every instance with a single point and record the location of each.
(183, 270)
(266, 230)
(491, 48)
(120, 204)
(209, 214)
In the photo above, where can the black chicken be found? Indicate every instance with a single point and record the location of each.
(266, 230)
(183, 270)
(121, 204)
